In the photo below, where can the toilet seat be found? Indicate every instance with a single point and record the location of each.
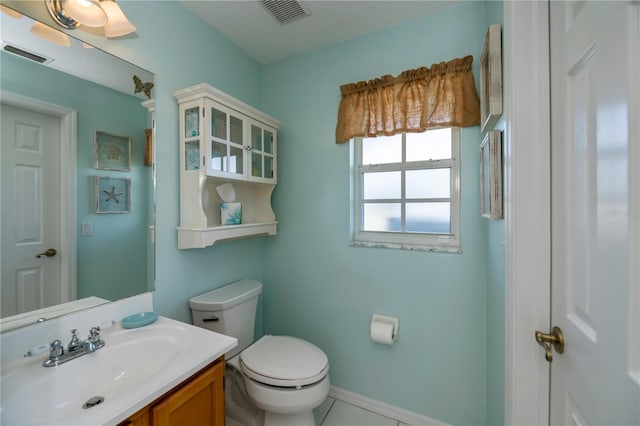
(284, 361)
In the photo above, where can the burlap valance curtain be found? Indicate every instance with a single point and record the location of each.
(442, 95)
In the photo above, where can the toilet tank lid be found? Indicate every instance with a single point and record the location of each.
(226, 297)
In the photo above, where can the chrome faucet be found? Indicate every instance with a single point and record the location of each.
(75, 348)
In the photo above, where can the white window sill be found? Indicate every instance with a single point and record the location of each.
(412, 247)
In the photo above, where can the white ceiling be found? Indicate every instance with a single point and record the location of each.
(251, 27)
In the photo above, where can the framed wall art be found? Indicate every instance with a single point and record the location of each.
(112, 194)
(491, 175)
(491, 79)
(112, 152)
(148, 147)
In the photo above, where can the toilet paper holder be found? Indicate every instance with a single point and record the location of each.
(388, 321)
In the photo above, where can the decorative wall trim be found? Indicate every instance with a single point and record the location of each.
(382, 408)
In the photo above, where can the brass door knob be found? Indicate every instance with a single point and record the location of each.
(49, 253)
(556, 338)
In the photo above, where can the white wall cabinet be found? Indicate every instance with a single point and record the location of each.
(224, 140)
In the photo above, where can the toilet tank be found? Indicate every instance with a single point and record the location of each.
(229, 310)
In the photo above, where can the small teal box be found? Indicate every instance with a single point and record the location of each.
(230, 213)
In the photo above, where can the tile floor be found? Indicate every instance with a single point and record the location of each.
(333, 412)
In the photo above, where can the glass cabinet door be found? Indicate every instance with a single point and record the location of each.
(191, 138)
(227, 142)
(256, 151)
(269, 155)
(262, 153)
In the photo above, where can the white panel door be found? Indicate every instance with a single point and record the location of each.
(30, 200)
(594, 115)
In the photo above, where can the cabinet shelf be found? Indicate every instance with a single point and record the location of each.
(203, 237)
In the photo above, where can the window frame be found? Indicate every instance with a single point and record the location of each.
(449, 242)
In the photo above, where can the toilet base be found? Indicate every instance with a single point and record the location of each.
(304, 418)
(241, 409)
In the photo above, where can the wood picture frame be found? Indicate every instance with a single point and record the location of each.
(148, 147)
(112, 152)
(491, 79)
(112, 194)
(491, 175)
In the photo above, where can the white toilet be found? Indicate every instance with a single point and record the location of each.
(278, 380)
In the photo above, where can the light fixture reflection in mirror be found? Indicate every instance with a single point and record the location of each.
(116, 258)
(50, 34)
(72, 14)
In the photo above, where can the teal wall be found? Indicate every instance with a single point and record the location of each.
(321, 289)
(111, 263)
(495, 285)
(182, 50)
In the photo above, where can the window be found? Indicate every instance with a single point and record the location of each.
(407, 191)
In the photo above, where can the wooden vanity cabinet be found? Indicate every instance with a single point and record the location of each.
(141, 418)
(198, 401)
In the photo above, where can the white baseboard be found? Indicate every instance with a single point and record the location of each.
(382, 408)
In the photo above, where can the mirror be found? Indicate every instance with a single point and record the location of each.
(104, 212)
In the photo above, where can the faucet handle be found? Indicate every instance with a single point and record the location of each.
(94, 334)
(56, 349)
(74, 344)
(94, 341)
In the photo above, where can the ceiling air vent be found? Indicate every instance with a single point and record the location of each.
(26, 54)
(286, 11)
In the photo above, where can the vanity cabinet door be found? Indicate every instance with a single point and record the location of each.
(141, 418)
(199, 402)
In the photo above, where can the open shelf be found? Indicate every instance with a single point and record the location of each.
(203, 237)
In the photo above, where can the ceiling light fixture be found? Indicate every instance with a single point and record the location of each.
(71, 14)
(86, 12)
(118, 24)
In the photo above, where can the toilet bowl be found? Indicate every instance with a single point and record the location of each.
(277, 380)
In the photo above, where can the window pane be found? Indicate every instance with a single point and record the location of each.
(429, 145)
(256, 137)
(235, 160)
(236, 130)
(218, 124)
(218, 156)
(381, 185)
(192, 155)
(382, 150)
(268, 142)
(268, 167)
(192, 122)
(256, 164)
(429, 183)
(428, 217)
(381, 217)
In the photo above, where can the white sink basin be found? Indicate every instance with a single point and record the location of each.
(135, 367)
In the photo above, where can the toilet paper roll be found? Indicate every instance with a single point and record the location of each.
(382, 332)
